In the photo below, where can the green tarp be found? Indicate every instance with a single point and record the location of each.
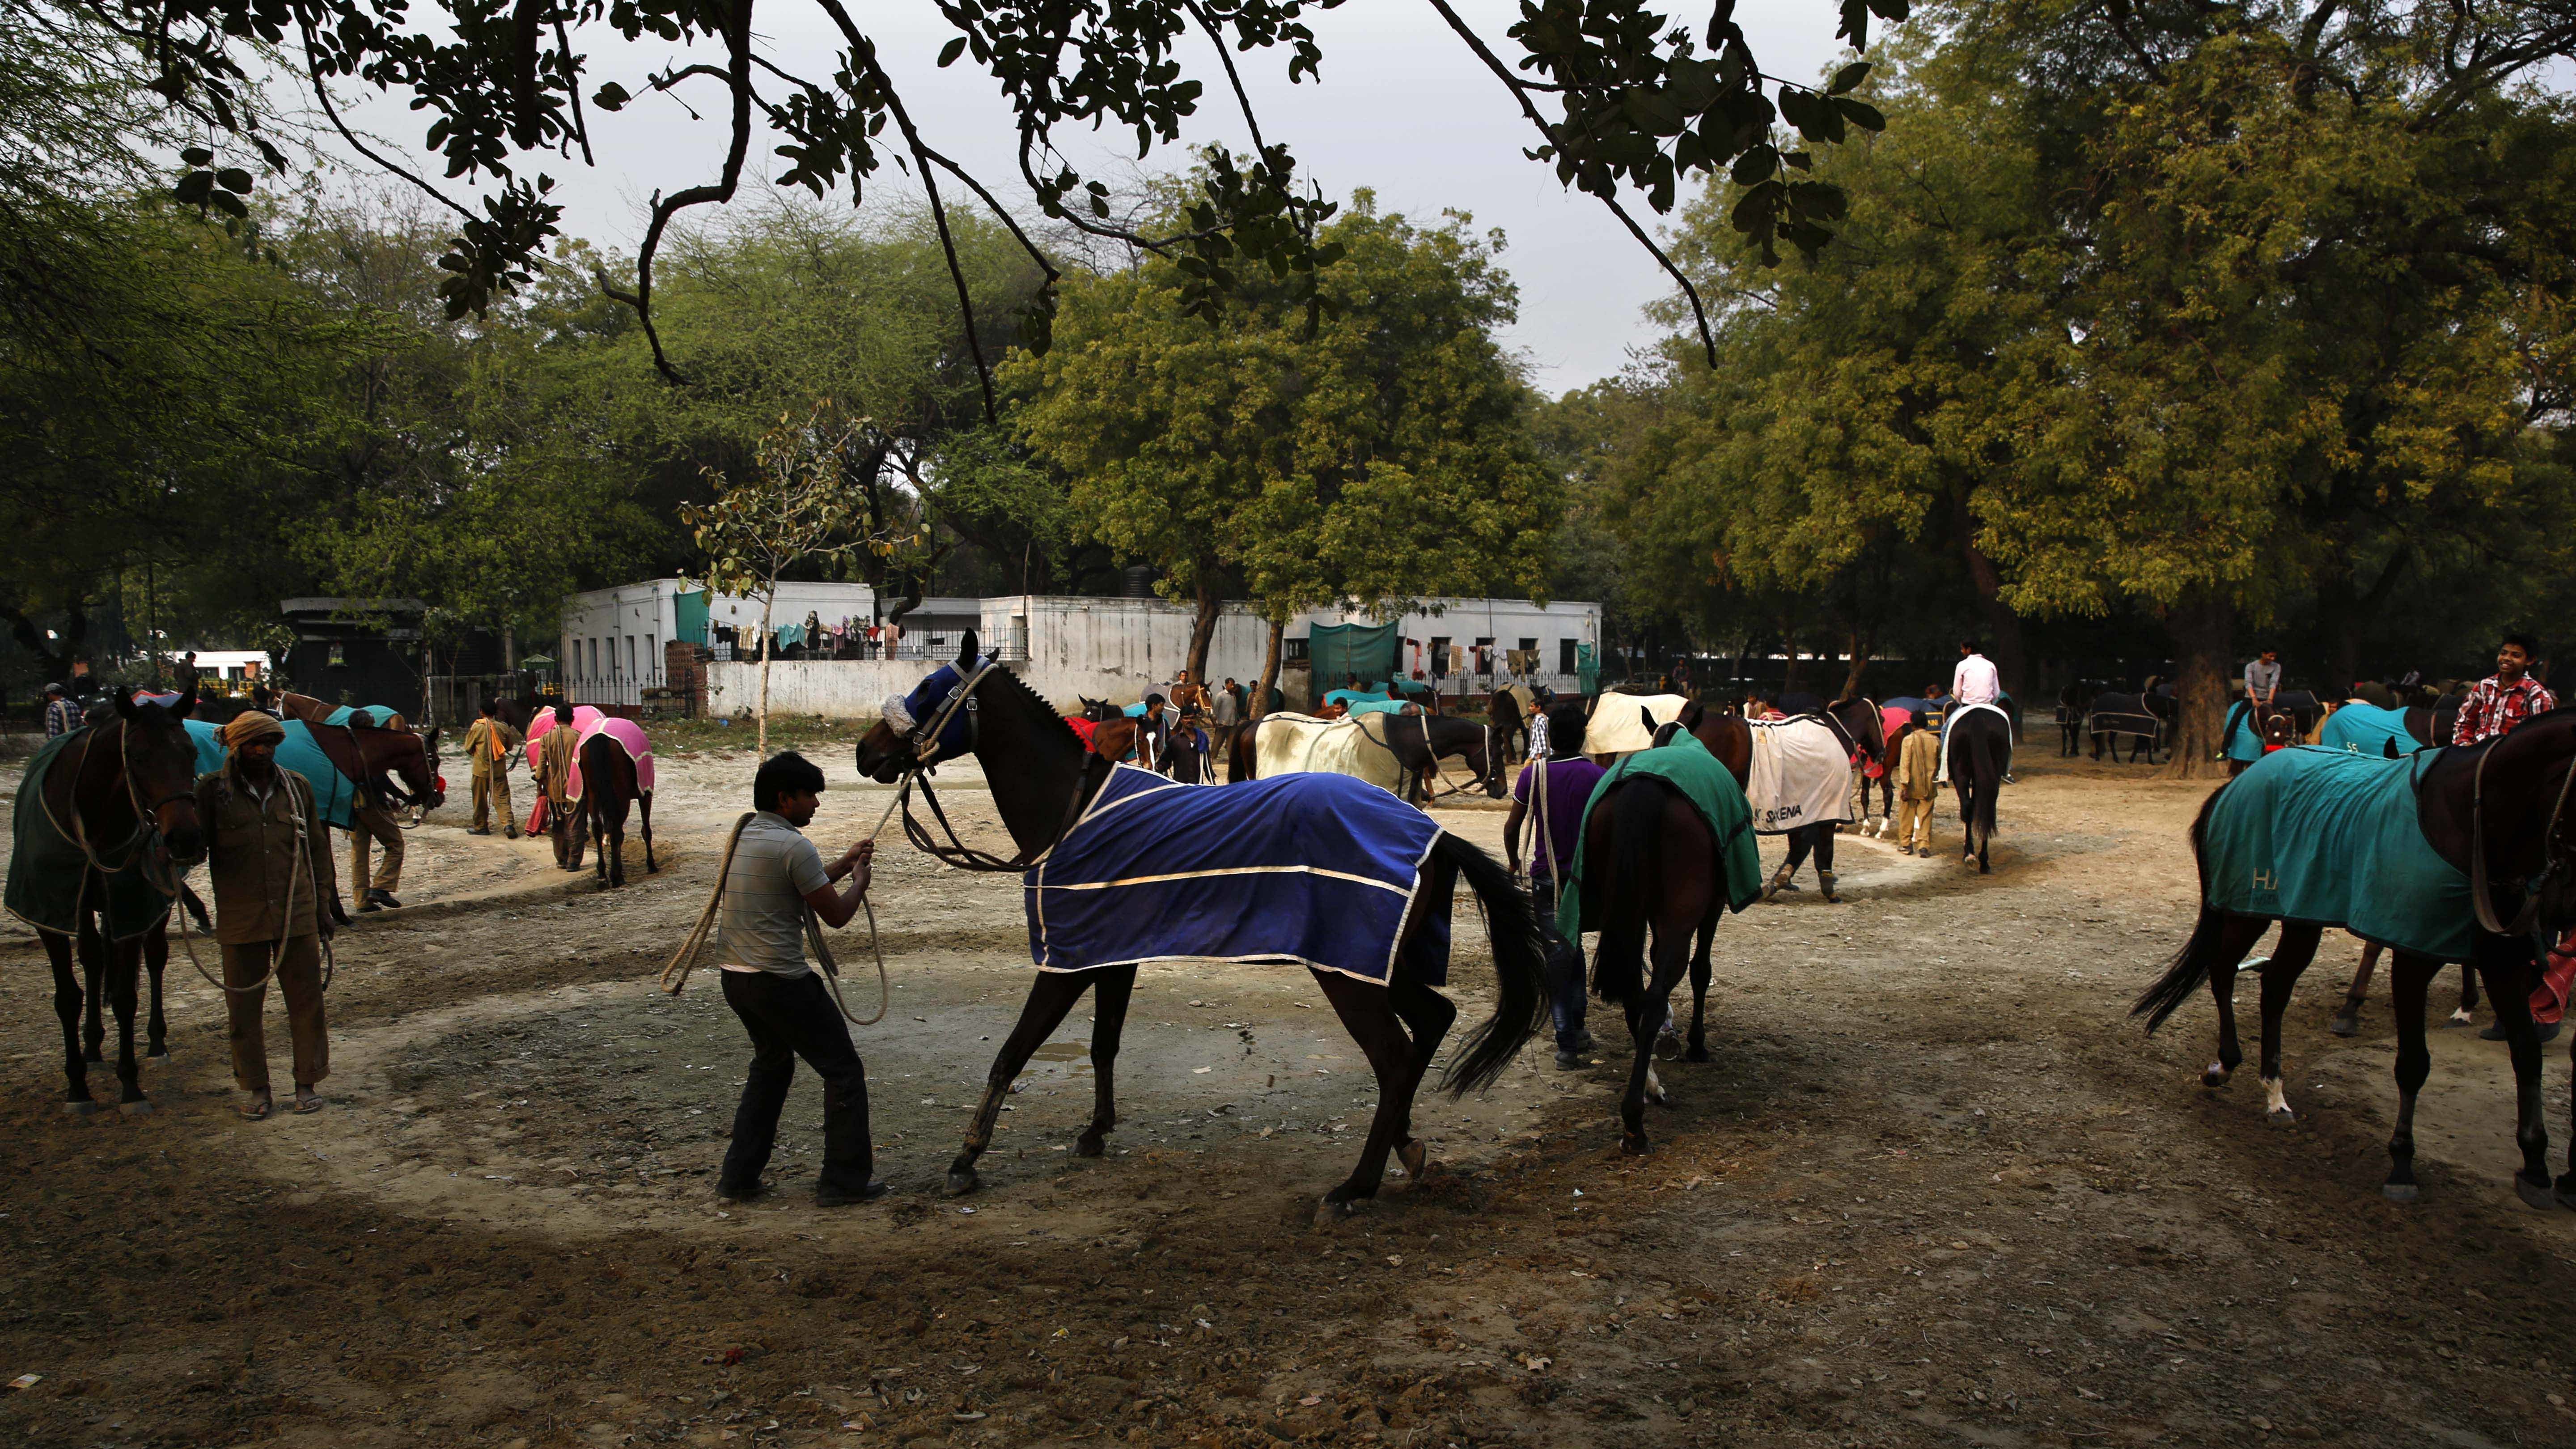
(1336, 652)
(2315, 834)
(689, 615)
(46, 866)
(1687, 766)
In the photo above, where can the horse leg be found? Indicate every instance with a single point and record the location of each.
(2347, 1018)
(93, 958)
(644, 808)
(2469, 996)
(156, 959)
(1052, 996)
(2298, 947)
(2236, 936)
(2506, 966)
(67, 1008)
(1698, 1049)
(1368, 1013)
(1110, 992)
(2408, 975)
(613, 842)
(1427, 1015)
(125, 964)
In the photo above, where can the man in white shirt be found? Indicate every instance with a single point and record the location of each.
(1975, 680)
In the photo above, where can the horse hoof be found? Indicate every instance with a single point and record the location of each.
(962, 1180)
(79, 1109)
(1634, 1144)
(1415, 1156)
(2214, 1076)
(156, 1057)
(1088, 1145)
(2397, 1191)
(2567, 1190)
(1329, 1212)
(1697, 1054)
(2534, 1194)
(136, 1108)
(2281, 1117)
(2345, 1023)
(92, 1056)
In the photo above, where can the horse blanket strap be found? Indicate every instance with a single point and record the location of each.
(2317, 835)
(1624, 723)
(1801, 775)
(1688, 767)
(1960, 713)
(335, 795)
(1315, 870)
(48, 868)
(629, 737)
(2366, 729)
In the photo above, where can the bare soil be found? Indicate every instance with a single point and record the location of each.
(1934, 1189)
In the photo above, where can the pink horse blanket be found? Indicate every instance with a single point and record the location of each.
(629, 737)
(585, 718)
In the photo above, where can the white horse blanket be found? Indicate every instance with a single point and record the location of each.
(1962, 712)
(1623, 724)
(1801, 775)
(1300, 744)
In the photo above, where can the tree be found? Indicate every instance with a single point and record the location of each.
(795, 507)
(1374, 449)
(1621, 100)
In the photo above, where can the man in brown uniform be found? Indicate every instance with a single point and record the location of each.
(270, 864)
(488, 743)
(553, 767)
(372, 820)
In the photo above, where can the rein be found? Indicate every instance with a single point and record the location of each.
(2479, 891)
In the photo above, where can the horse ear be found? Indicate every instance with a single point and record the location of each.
(966, 650)
(125, 705)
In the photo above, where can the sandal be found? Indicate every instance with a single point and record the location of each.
(306, 1105)
(257, 1111)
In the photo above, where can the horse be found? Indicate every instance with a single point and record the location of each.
(1422, 741)
(2255, 729)
(2071, 709)
(2143, 717)
(1861, 730)
(1401, 752)
(610, 780)
(1978, 747)
(2435, 813)
(1041, 783)
(1510, 722)
(1656, 867)
(396, 765)
(131, 785)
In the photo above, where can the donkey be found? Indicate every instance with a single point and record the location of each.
(1041, 781)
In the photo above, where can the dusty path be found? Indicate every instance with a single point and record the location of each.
(1932, 1191)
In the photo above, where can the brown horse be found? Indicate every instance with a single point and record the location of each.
(125, 795)
(608, 786)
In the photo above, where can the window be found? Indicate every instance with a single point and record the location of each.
(1565, 656)
(1528, 646)
(1295, 650)
(630, 656)
(1440, 654)
(338, 656)
(593, 671)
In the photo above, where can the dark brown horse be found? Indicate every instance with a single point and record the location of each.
(1511, 725)
(2495, 811)
(393, 765)
(124, 794)
(1041, 776)
(608, 787)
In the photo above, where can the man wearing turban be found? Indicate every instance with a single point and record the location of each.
(554, 764)
(269, 860)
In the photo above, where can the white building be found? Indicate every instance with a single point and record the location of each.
(612, 639)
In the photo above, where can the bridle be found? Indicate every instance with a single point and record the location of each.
(922, 741)
(147, 830)
(2550, 860)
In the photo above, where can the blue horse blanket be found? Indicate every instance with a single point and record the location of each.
(333, 793)
(2366, 729)
(2319, 835)
(1309, 869)
(2242, 742)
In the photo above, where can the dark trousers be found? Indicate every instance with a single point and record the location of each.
(791, 1017)
(1564, 966)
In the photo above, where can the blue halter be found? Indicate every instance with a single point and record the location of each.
(917, 712)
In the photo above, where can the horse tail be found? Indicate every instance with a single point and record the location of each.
(2188, 967)
(1991, 753)
(1619, 966)
(1520, 968)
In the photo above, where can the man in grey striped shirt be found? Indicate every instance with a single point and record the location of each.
(776, 878)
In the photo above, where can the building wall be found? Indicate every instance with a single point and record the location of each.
(832, 688)
(612, 639)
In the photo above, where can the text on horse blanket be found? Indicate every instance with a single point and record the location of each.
(335, 796)
(46, 866)
(2318, 835)
(1308, 869)
(1801, 775)
(1686, 766)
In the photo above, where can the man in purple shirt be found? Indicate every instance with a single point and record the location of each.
(1568, 779)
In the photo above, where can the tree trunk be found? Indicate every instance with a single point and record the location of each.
(2002, 626)
(1789, 669)
(2204, 641)
(1203, 630)
(1860, 655)
(768, 601)
(1260, 702)
(510, 648)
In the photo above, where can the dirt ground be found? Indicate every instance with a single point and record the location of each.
(1934, 1190)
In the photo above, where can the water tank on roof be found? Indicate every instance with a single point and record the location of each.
(1140, 582)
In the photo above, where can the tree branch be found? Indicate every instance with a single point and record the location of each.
(737, 38)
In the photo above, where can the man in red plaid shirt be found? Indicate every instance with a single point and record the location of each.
(2505, 698)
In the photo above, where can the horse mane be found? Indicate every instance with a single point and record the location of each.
(1036, 703)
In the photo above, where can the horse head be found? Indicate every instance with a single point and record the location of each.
(392, 755)
(905, 730)
(157, 766)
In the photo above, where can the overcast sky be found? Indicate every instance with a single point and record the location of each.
(1402, 107)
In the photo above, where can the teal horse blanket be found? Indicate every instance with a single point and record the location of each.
(334, 795)
(2323, 836)
(1688, 767)
(2366, 729)
(46, 865)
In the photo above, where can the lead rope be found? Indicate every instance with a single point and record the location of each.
(303, 872)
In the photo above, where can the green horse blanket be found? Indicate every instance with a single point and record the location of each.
(46, 866)
(1687, 766)
(2317, 834)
